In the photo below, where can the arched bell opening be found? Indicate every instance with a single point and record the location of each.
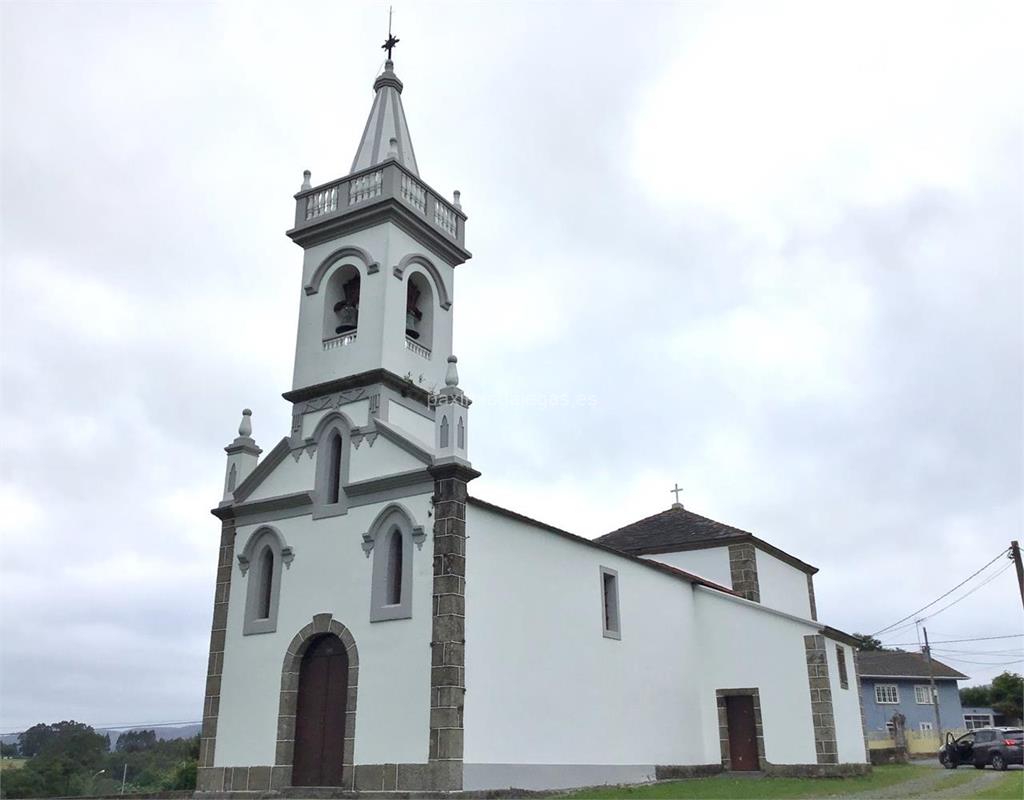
(419, 310)
(341, 302)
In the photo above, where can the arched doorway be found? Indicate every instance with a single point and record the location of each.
(320, 713)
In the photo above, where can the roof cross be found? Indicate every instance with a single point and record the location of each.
(676, 492)
(391, 41)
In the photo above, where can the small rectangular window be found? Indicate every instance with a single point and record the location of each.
(923, 695)
(925, 727)
(844, 680)
(610, 603)
(887, 693)
(974, 721)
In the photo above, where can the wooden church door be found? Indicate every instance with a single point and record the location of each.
(739, 717)
(320, 714)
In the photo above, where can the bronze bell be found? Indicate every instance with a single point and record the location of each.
(348, 316)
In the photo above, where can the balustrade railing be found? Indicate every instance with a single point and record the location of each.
(391, 180)
(340, 341)
(444, 218)
(415, 347)
(323, 202)
(365, 187)
(413, 193)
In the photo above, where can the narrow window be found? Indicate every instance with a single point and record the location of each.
(886, 693)
(462, 434)
(610, 603)
(232, 477)
(334, 469)
(394, 572)
(444, 431)
(266, 583)
(844, 681)
(923, 695)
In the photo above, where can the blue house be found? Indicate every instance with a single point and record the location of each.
(894, 681)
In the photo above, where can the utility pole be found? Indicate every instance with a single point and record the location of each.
(124, 777)
(1015, 555)
(935, 692)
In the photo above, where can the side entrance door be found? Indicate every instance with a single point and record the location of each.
(739, 715)
(320, 714)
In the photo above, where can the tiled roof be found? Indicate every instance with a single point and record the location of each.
(677, 526)
(901, 664)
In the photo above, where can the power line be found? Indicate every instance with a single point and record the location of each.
(943, 595)
(984, 663)
(126, 726)
(951, 641)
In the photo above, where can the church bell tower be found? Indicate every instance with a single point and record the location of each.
(380, 250)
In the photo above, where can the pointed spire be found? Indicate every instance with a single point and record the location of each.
(386, 134)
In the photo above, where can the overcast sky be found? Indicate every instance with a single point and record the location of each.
(771, 251)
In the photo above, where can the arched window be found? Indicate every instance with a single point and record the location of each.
(444, 431)
(334, 467)
(461, 436)
(260, 561)
(341, 302)
(232, 477)
(394, 576)
(333, 449)
(419, 310)
(390, 541)
(266, 583)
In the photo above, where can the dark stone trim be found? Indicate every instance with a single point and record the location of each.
(321, 624)
(215, 666)
(264, 468)
(743, 571)
(723, 724)
(822, 714)
(448, 631)
(296, 504)
(810, 596)
(368, 378)
(646, 562)
(673, 772)
(816, 770)
(837, 635)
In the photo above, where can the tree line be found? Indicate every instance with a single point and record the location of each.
(71, 759)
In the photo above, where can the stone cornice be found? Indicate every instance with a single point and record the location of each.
(387, 209)
(368, 378)
(283, 502)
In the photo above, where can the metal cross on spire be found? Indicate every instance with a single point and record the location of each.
(676, 492)
(391, 41)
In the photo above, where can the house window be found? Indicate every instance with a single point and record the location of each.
(925, 727)
(390, 542)
(844, 680)
(610, 603)
(260, 561)
(886, 693)
(923, 695)
(975, 721)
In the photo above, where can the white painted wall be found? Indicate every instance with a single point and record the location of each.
(358, 412)
(330, 573)
(782, 586)
(743, 646)
(381, 334)
(712, 563)
(382, 457)
(544, 686)
(420, 427)
(288, 477)
(845, 705)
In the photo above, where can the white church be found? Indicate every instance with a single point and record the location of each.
(377, 627)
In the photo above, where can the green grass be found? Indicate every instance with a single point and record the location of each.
(1010, 786)
(953, 779)
(728, 788)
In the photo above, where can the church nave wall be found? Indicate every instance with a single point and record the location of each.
(331, 573)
